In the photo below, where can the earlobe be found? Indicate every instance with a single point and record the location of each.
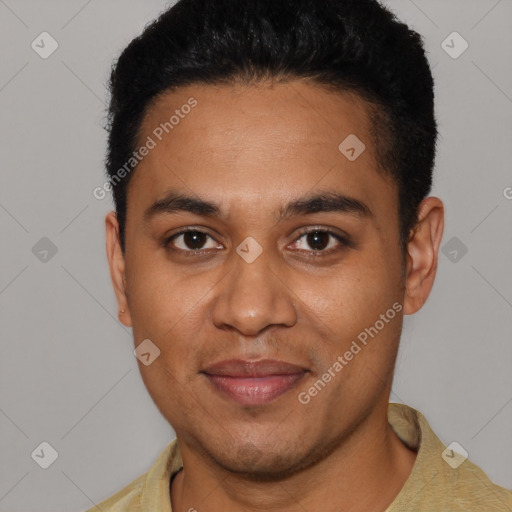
(422, 254)
(116, 261)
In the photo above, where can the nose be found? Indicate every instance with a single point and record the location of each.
(252, 297)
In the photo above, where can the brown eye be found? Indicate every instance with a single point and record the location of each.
(194, 239)
(320, 241)
(191, 240)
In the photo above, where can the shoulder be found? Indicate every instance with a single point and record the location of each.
(128, 498)
(149, 491)
(441, 479)
(473, 490)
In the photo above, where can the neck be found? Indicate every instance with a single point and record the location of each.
(364, 472)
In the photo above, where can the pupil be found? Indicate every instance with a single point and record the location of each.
(318, 240)
(194, 239)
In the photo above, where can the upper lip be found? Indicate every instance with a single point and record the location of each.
(245, 369)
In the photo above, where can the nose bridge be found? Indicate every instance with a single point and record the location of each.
(252, 296)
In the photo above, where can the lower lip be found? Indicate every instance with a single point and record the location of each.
(254, 390)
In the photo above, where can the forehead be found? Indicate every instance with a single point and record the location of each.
(255, 141)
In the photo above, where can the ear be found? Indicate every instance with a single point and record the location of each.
(422, 254)
(117, 267)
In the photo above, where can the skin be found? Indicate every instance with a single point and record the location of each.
(252, 149)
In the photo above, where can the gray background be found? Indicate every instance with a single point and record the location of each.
(67, 371)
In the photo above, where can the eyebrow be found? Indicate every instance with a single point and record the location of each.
(174, 202)
(325, 202)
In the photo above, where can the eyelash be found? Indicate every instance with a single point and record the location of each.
(343, 242)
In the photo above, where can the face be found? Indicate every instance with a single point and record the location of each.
(258, 288)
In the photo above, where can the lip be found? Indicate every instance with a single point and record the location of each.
(254, 382)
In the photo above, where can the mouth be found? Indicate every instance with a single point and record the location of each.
(253, 382)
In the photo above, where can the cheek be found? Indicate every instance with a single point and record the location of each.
(173, 397)
(162, 298)
(345, 302)
(170, 309)
(346, 310)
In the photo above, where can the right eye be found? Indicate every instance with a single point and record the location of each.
(190, 240)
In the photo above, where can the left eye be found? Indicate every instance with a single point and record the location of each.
(318, 241)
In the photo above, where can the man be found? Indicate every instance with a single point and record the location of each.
(271, 163)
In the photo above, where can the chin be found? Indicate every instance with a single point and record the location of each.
(266, 463)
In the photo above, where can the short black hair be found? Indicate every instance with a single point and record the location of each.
(356, 46)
